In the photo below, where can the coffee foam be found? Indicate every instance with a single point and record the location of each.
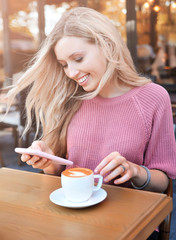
(77, 172)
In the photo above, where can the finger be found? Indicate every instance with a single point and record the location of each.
(32, 160)
(114, 163)
(105, 161)
(109, 167)
(25, 157)
(42, 163)
(115, 173)
(126, 177)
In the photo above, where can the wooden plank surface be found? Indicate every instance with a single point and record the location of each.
(27, 213)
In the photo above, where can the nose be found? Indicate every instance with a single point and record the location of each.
(72, 72)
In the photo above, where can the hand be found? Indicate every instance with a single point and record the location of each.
(36, 161)
(115, 165)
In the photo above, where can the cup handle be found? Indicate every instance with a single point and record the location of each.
(100, 181)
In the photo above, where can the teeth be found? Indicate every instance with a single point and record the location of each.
(83, 79)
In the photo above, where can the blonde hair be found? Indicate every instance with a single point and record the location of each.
(53, 96)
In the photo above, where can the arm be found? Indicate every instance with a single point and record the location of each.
(158, 182)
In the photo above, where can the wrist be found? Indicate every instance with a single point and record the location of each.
(144, 177)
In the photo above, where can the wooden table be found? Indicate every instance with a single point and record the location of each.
(26, 213)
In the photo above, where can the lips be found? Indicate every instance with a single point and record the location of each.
(83, 79)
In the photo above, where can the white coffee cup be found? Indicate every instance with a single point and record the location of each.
(78, 184)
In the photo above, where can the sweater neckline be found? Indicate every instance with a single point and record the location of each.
(118, 99)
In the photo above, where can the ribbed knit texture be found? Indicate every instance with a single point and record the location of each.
(138, 125)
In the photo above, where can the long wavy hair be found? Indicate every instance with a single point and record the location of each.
(53, 97)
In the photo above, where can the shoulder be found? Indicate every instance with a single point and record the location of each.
(153, 89)
(154, 94)
(153, 101)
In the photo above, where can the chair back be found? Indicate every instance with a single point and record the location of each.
(164, 228)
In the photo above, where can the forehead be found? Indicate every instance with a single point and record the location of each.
(68, 46)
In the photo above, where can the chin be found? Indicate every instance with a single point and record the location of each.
(89, 88)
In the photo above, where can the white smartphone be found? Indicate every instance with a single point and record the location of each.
(39, 153)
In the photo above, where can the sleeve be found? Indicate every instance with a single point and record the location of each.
(161, 148)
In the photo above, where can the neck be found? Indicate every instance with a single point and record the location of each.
(111, 90)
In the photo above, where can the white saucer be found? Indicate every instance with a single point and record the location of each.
(58, 198)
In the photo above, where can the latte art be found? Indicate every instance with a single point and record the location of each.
(77, 172)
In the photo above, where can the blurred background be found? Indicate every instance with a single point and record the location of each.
(148, 27)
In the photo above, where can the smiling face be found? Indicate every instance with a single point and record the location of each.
(82, 61)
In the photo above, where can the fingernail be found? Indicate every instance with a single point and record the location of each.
(96, 170)
(105, 180)
(24, 158)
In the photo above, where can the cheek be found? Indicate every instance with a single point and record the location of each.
(102, 67)
(102, 63)
(66, 72)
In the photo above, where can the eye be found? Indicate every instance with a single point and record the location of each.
(79, 59)
(64, 65)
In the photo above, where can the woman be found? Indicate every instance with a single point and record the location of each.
(95, 109)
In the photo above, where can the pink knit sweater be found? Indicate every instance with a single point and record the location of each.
(138, 125)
